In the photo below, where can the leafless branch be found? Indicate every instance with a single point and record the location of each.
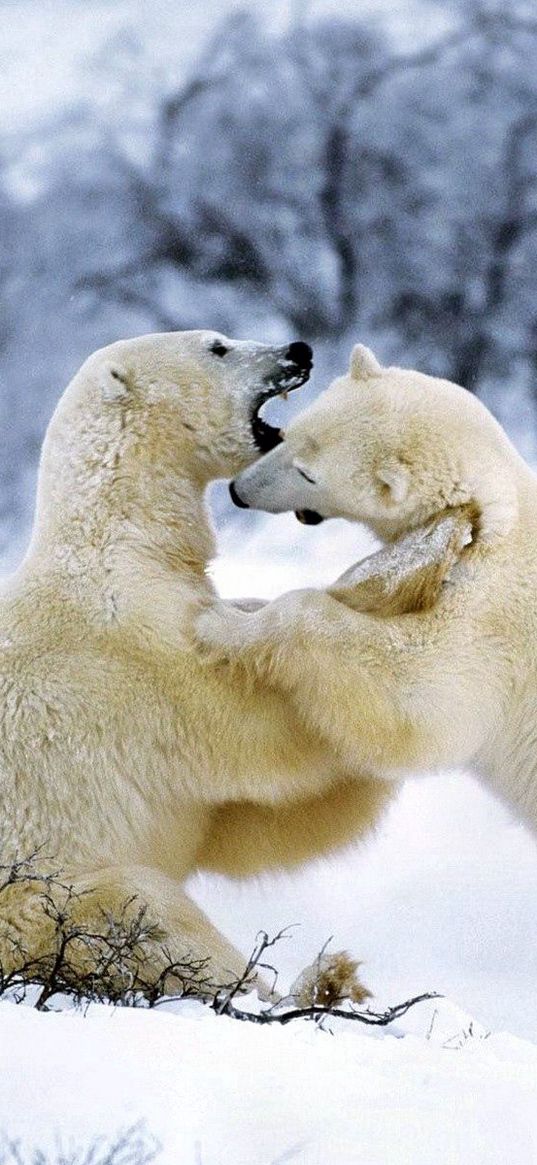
(112, 961)
(277, 1013)
(223, 999)
(132, 1146)
(366, 1016)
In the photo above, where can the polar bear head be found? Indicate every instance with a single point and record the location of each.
(148, 422)
(390, 448)
(197, 394)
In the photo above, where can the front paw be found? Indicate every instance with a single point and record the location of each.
(221, 630)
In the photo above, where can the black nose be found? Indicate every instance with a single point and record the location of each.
(308, 517)
(237, 501)
(300, 353)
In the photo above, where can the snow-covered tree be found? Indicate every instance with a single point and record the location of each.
(314, 181)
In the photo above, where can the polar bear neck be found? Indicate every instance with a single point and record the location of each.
(114, 521)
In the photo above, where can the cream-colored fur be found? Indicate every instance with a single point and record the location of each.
(246, 837)
(124, 756)
(454, 684)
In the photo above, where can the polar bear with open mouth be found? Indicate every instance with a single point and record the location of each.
(117, 743)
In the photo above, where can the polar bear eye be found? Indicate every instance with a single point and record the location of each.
(219, 349)
(303, 474)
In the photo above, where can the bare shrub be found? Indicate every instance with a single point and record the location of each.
(110, 963)
(131, 1146)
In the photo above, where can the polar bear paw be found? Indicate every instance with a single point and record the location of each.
(222, 630)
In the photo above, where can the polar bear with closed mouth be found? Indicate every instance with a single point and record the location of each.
(455, 685)
(125, 757)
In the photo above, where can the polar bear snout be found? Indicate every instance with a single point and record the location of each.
(301, 354)
(292, 367)
(275, 483)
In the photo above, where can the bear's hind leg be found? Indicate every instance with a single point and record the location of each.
(127, 924)
(185, 935)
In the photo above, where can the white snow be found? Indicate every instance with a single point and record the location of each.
(219, 1092)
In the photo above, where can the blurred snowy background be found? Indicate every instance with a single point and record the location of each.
(322, 170)
(325, 170)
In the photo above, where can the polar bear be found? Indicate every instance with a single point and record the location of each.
(126, 759)
(116, 743)
(454, 685)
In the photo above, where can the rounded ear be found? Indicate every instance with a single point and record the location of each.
(363, 363)
(395, 479)
(113, 382)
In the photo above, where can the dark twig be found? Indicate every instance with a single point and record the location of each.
(367, 1016)
(131, 1146)
(222, 1000)
(122, 958)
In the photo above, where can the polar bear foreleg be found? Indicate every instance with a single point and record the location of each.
(393, 695)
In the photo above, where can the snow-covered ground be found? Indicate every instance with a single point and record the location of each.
(217, 1092)
(444, 899)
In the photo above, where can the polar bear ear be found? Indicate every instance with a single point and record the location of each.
(395, 480)
(113, 382)
(363, 363)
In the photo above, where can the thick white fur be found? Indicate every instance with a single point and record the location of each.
(453, 685)
(126, 756)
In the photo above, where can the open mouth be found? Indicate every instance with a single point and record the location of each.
(293, 371)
